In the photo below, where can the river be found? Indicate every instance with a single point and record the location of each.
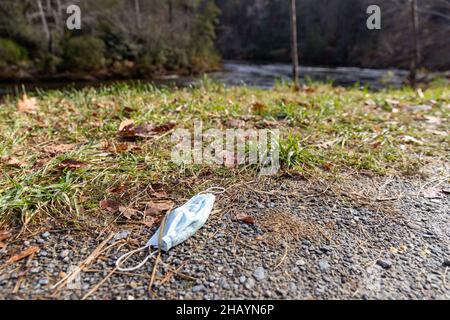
(240, 73)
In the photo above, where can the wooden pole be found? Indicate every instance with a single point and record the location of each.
(294, 44)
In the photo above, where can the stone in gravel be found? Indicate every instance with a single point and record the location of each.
(300, 262)
(42, 253)
(447, 262)
(249, 283)
(199, 288)
(385, 264)
(259, 274)
(121, 235)
(45, 235)
(43, 282)
(324, 265)
(325, 249)
(242, 279)
(35, 270)
(64, 254)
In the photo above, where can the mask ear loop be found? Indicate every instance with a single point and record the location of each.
(151, 254)
(129, 254)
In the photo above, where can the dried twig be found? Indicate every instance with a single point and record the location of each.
(91, 258)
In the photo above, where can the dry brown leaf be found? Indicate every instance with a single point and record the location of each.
(157, 207)
(128, 213)
(22, 255)
(235, 123)
(27, 105)
(121, 147)
(145, 131)
(118, 189)
(71, 164)
(244, 218)
(2, 245)
(127, 129)
(126, 125)
(160, 194)
(4, 235)
(258, 107)
(55, 149)
(13, 162)
(110, 205)
(165, 127)
(150, 221)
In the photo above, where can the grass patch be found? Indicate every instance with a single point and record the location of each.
(323, 129)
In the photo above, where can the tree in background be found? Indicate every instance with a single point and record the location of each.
(138, 37)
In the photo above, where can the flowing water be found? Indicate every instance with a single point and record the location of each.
(239, 73)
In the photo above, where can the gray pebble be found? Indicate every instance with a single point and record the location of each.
(45, 235)
(64, 254)
(324, 265)
(259, 274)
(447, 262)
(198, 288)
(249, 283)
(385, 264)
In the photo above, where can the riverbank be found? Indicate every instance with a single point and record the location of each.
(234, 73)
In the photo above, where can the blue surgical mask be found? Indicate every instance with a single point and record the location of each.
(178, 226)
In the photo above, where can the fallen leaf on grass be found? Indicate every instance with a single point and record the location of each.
(129, 130)
(13, 162)
(160, 194)
(258, 107)
(431, 193)
(127, 212)
(244, 218)
(165, 127)
(117, 190)
(157, 207)
(22, 255)
(27, 105)
(121, 147)
(235, 123)
(150, 221)
(110, 205)
(55, 149)
(71, 164)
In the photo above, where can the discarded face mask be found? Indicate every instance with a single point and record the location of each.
(179, 225)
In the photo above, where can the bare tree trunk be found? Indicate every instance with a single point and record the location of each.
(48, 36)
(294, 45)
(416, 50)
(170, 12)
(137, 9)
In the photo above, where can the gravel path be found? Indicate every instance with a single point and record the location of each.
(363, 238)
